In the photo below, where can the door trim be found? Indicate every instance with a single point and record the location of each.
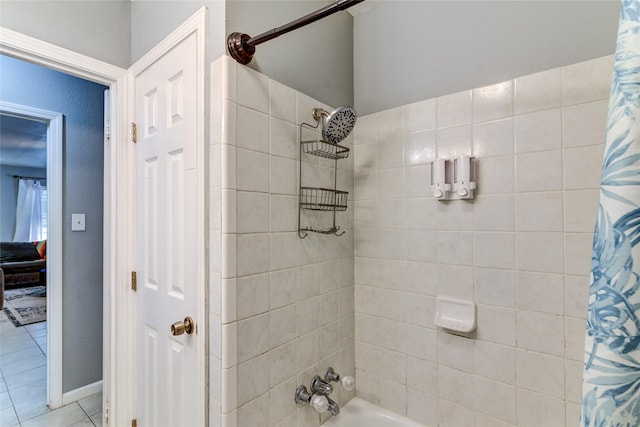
(54, 123)
(197, 24)
(117, 174)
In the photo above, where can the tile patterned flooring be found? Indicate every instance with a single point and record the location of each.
(23, 376)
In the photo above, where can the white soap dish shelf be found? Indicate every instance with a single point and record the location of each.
(455, 314)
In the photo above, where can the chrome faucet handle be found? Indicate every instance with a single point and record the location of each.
(331, 375)
(318, 402)
(347, 382)
(320, 386)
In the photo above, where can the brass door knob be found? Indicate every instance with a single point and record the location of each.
(187, 325)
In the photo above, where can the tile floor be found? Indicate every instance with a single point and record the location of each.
(23, 376)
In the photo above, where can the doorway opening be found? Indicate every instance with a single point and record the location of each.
(73, 285)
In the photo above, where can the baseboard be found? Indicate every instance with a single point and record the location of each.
(81, 393)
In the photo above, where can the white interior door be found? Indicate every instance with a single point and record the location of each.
(170, 229)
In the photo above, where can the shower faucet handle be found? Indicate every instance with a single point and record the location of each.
(320, 386)
(347, 382)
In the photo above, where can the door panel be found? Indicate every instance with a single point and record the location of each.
(170, 368)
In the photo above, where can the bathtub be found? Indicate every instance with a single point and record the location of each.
(360, 413)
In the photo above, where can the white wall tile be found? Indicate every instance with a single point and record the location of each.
(253, 253)
(283, 177)
(419, 148)
(540, 171)
(580, 210)
(283, 248)
(540, 91)
(422, 375)
(252, 295)
(584, 124)
(577, 295)
(453, 142)
(493, 138)
(252, 171)
(539, 131)
(282, 363)
(495, 287)
(283, 213)
(455, 351)
(581, 168)
(455, 386)
(495, 250)
(283, 288)
(578, 252)
(574, 380)
(283, 137)
(252, 89)
(253, 378)
(455, 281)
(575, 338)
(422, 343)
(541, 292)
(418, 181)
(493, 102)
(455, 247)
(252, 212)
(495, 399)
(454, 415)
(587, 81)
(253, 337)
(535, 410)
(494, 213)
(283, 325)
(420, 310)
(539, 211)
(253, 130)
(533, 332)
(255, 413)
(420, 277)
(390, 153)
(390, 124)
(420, 116)
(540, 372)
(282, 101)
(495, 361)
(540, 251)
(496, 324)
(422, 407)
(453, 110)
(495, 175)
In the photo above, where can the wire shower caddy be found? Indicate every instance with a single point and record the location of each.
(319, 198)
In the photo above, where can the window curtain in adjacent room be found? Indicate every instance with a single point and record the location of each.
(29, 212)
(611, 382)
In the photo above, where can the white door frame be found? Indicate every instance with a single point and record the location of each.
(54, 241)
(117, 306)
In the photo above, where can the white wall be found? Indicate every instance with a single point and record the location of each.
(82, 104)
(99, 29)
(285, 305)
(405, 51)
(521, 250)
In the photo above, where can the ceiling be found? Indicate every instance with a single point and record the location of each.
(23, 142)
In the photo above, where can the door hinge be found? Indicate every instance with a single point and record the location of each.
(134, 132)
(134, 281)
(134, 423)
(107, 130)
(106, 412)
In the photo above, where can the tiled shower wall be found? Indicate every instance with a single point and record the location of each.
(521, 250)
(285, 309)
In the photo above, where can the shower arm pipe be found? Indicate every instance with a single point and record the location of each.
(242, 46)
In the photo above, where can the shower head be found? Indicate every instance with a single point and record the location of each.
(338, 124)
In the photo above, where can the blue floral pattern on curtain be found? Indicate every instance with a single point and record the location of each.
(611, 384)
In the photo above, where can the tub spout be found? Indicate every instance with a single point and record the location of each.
(333, 407)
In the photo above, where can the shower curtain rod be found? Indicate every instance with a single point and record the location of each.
(28, 177)
(242, 46)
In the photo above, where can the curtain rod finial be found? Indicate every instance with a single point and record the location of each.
(238, 48)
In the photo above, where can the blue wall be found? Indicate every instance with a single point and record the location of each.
(82, 103)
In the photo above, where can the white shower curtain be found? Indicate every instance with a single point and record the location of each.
(29, 212)
(611, 382)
